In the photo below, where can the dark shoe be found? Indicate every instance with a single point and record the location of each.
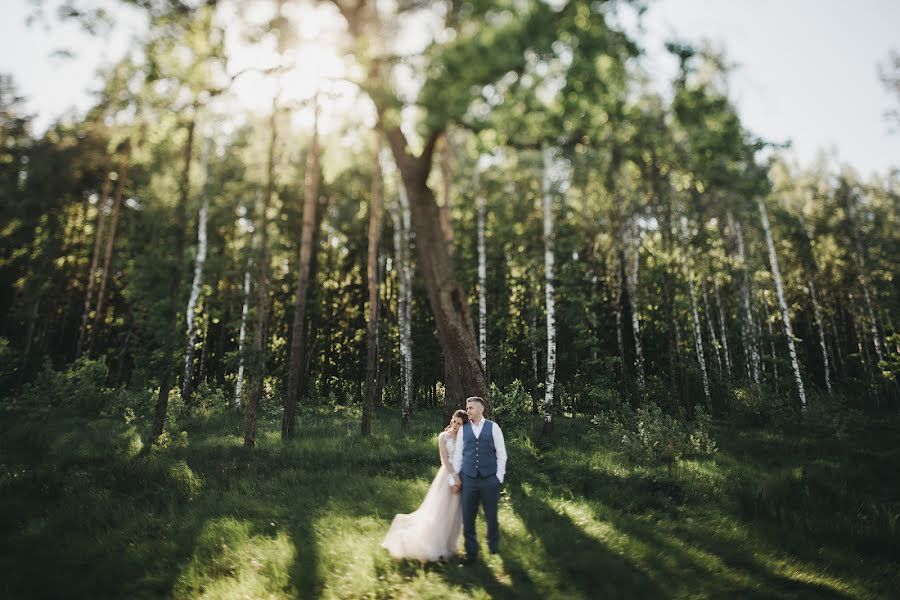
(494, 550)
(468, 560)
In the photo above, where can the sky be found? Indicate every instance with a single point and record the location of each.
(806, 70)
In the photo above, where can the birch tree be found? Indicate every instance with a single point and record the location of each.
(779, 292)
(400, 215)
(695, 317)
(549, 299)
(748, 327)
(196, 283)
(245, 311)
(632, 265)
(482, 267)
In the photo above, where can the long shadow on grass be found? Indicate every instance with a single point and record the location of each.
(666, 560)
(581, 561)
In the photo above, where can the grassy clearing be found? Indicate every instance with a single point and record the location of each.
(87, 511)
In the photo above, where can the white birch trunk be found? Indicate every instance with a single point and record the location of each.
(747, 326)
(817, 312)
(722, 329)
(632, 246)
(196, 284)
(620, 337)
(779, 291)
(863, 281)
(713, 340)
(245, 309)
(695, 316)
(771, 344)
(482, 270)
(548, 290)
(401, 218)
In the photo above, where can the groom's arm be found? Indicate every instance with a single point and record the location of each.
(500, 448)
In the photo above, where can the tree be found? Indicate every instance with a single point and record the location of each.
(375, 219)
(298, 350)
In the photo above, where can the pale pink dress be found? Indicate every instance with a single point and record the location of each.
(431, 532)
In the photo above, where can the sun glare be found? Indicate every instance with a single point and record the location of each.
(311, 66)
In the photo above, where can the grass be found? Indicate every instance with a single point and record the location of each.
(87, 512)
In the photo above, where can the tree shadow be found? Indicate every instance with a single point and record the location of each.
(665, 560)
(585, 566)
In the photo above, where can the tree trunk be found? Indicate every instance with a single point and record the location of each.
(298, 349)
(633, 245)
(773, 355)
(446, 180)
(245, 309)
(447, 299)
(400, 214)
(722, 328)
(375, 213)
(95, 259)
(548, 292)
(107, 258)
(482, 272)
(535, 407)
(748, 328)
(196, 286)
(714, 344)
(863, 279)
(817, 313)
(262, 292)
(165, 386)
(779, 291)
(618, 282)
(698, 330)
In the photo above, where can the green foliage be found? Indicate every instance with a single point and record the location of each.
(209, 519)
(648, 436)
(758, 407)
(79, 389)
(7, 364)
(511, 407)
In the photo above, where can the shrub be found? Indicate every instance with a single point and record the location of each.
(760, 407)
(511, 407)
(80, 388)
(648, 436)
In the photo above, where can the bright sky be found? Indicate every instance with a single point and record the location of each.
(807, 69)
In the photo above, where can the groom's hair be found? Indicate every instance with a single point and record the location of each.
(475, 399)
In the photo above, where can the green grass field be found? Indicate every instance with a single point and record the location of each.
(87, 512)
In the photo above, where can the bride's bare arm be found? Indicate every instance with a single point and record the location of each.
(445, 455)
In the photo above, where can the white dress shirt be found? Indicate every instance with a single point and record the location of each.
(499, 447)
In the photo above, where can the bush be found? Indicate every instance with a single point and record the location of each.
(511, 407)
(833, 415)
(80, 388)
(759, 407)
(7, 365)
(648, 436)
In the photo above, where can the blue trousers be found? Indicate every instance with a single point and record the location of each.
(484, 491)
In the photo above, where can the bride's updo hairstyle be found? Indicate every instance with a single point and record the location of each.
(462, 415)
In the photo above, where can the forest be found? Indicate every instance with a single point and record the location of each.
(243, 293)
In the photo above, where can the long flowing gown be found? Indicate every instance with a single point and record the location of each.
(431, 532)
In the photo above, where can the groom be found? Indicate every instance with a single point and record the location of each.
(479, 458)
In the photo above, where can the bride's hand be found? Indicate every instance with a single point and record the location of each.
(455, 488)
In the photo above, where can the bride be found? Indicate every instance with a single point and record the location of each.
(432, 531)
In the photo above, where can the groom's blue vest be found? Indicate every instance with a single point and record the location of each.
(479, 454)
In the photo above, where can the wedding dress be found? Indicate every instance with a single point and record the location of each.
(431, 532)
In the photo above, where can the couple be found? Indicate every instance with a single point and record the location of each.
(473, 464)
